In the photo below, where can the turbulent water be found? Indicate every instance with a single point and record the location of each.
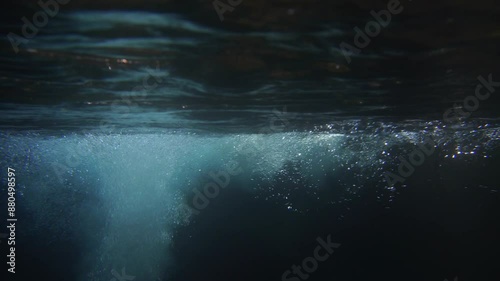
(157, 146)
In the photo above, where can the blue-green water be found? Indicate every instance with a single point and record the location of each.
(166, 147)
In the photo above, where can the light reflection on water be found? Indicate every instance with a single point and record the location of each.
(114, 117)
(89, 67)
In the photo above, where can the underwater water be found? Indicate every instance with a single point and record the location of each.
(164, 144)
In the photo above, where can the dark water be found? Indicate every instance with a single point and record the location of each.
(152, 141)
